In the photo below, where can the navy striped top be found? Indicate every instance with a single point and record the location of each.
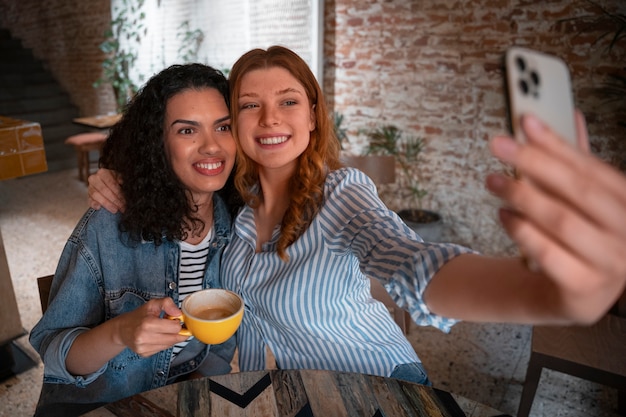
(191, 274)
(316, 310)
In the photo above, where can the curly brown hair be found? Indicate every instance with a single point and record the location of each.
(157, 206)
(306, 186)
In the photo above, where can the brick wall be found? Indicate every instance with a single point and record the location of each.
(65, 35)
(431, 67)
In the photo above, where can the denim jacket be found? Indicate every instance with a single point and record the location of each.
(102, 274)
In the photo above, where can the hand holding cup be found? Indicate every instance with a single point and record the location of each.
(212, 315)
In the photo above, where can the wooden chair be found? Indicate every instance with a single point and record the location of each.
(44, 284)
(401, 317)
(595, 353)
(380, 168)
(83, 144)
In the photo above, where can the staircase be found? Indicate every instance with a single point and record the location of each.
(29, 92)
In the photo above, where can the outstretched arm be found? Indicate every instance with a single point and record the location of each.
(566, 215)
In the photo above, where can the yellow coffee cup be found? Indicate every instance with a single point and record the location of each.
(211, 316)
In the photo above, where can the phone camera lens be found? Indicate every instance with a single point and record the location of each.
(534, 78)
(523, 86)
(521, 64)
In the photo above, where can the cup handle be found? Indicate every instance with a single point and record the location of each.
(183, 331)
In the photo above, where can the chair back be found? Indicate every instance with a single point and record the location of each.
(595, 352)
(380, 168)
(44, 284)
(619, 309)
(400, 316)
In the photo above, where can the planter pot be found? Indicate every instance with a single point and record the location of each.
(380, 168)
(427, 224)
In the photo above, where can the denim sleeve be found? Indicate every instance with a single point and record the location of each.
(75, 306)
(55, 355)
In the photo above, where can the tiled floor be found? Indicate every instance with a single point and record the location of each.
(486, 363)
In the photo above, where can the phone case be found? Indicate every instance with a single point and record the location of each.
(540, 84)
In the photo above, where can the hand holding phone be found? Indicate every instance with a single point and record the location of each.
(539, 84)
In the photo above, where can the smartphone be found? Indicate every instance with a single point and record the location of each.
(540, 84)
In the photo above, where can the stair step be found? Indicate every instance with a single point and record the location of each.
(10, 43)
(21, 66)
(30, 91)
(34, 104)
(48, 118)
(26, 79)
(61, 132)
(15, 54)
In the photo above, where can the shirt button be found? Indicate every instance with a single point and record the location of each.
(172, 285)
(192, 363)
(160, 373)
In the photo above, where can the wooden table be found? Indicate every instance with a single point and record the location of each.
(297, 393)
(98, 122)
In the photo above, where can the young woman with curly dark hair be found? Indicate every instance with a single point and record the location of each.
(103, 337)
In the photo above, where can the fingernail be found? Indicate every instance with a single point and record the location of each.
(533, 126)
(506, 214)
(504, 148)
(495, 182)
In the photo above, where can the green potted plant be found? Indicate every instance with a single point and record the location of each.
(341, 133)
(120, 60)
(407, 153)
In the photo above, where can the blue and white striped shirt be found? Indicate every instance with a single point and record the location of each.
(316, 310)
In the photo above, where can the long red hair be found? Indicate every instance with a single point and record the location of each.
(306, 187)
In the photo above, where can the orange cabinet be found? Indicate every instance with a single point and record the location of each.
(21, 148)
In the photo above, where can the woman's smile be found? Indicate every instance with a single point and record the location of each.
(209, 168)
(273, 140)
